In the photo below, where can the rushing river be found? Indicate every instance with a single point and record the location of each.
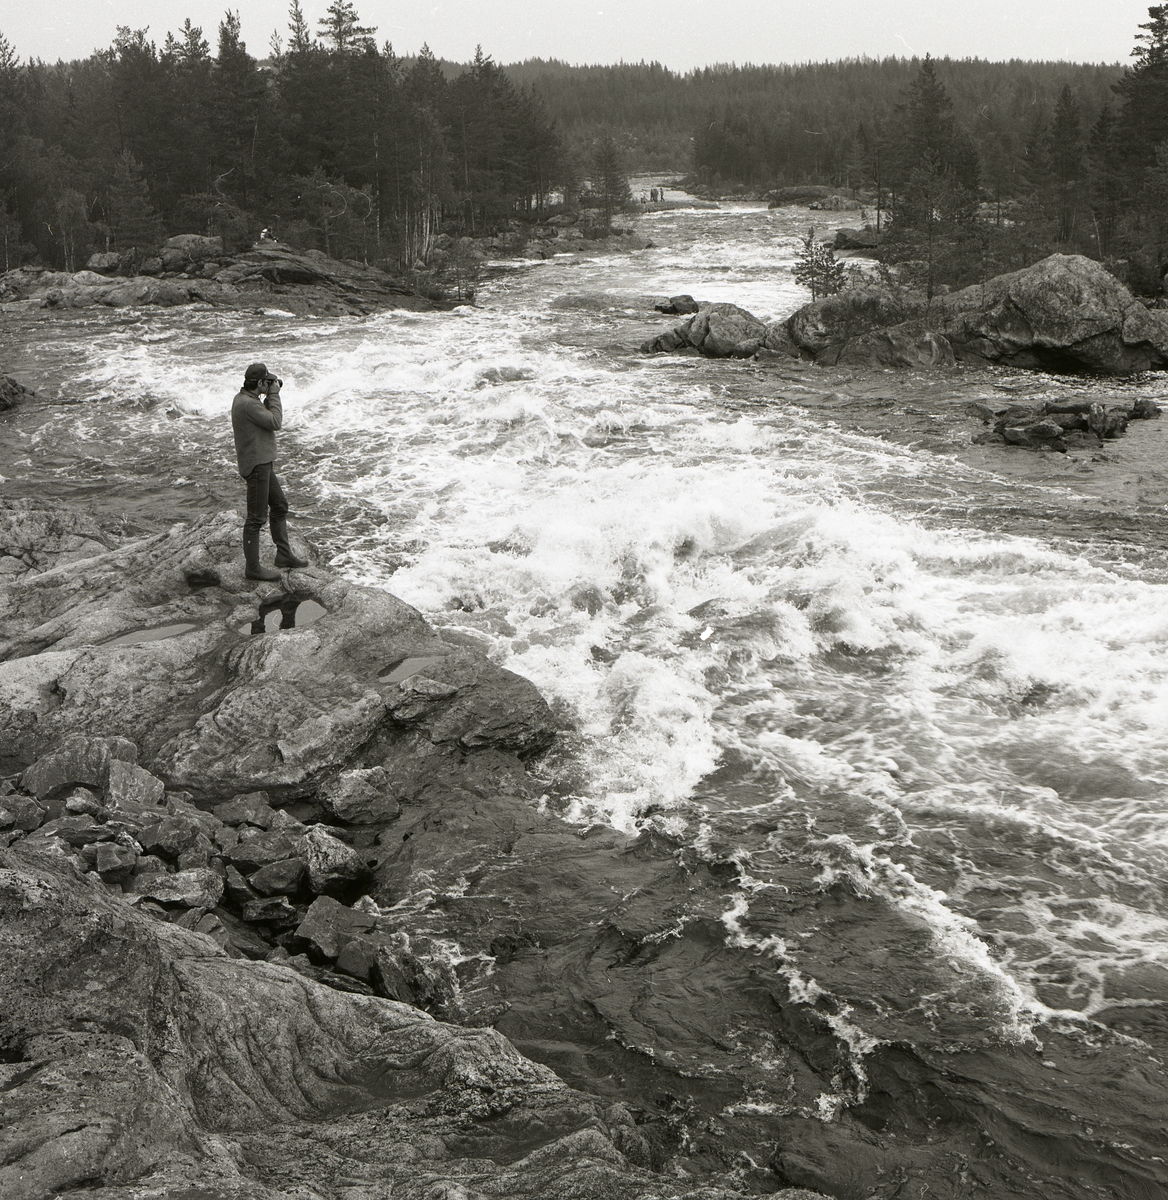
(923, 688)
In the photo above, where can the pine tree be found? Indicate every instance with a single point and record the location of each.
(817, 268)
(299, 36)
(191, 48)
(342, 28)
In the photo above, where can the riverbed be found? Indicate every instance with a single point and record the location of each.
(905, 696)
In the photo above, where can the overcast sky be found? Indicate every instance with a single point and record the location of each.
(680, 35)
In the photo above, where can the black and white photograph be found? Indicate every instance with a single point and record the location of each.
(584, 600)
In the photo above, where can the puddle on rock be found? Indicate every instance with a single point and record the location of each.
(138, 636)
(403, 668)
(287, 612)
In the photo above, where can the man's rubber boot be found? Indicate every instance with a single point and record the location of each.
(253, 569)
(284, 555)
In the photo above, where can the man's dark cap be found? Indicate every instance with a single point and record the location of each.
(255, 373)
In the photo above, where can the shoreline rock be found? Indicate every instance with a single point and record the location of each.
(1064, 314)
(1061, 425)
(13, 393)
(307, 283)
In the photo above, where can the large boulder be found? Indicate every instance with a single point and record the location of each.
(1065, 313)
(717, 330)
(826, 326)
(104, 262)
(856, 239)
(193, 247)
(902, 346)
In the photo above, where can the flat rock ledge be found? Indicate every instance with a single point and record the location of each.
(274, 276)
(1066, 313)
(200, 999)
(139, 1062)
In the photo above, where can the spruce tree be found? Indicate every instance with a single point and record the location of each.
(1106, 180)
(133, 220)
(610, 183)
(1143, 90)
(1067, 166)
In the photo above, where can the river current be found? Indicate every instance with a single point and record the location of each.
(791, 624)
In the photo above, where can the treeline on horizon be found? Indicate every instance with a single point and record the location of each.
(779, 125)
(1065, 156)
(335, 142)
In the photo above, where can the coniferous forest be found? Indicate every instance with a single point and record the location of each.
(333, 141)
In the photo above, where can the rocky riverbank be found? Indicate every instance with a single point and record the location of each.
(195, 270)
(204, 784)
(1065, 312)
(191, 269)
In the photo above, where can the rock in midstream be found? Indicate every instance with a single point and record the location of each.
(1065, 313)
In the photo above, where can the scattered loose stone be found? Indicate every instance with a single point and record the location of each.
(81, 800)
(263, 849)
(237, 888)
(114, 863)
(272, 910)
(20, 812)
(129, 785)
(358, 958)
(241, 937)
(332, 866)
(151, 864)
(169, 837)
(198, 854)
(362, 797)
(196, 888)
(329, 925)
(80, 831)
(251, 808)
(279, 878)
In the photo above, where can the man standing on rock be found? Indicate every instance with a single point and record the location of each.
(256, 414)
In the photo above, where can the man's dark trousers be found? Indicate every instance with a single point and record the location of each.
(264, 493)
